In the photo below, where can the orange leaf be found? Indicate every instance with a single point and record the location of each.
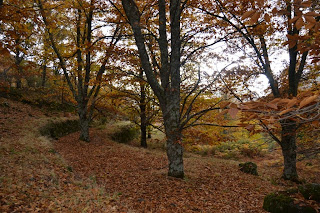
(233, 112)
(312, 14)
(292, 102)
(247, 14)
(252, 117)
(286, 111)
(272, 105)
(244, 107)
(299, 23)
(223, 112)
(310, 19)
(294, 19)
(307, 101)
(276, 100)
(224, 104)
(267, 18)
(310, 25)
(250, 127)
(233, 105)
(306, 4)
(254, 18)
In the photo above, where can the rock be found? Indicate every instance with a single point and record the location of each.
(310, 191)
(278, 202)
(249, 167)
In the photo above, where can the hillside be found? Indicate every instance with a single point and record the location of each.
(39, 174)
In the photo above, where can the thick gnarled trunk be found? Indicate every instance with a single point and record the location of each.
(288, 147)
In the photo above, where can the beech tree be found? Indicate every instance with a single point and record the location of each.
(257, 24)
(167, 35)
(168, 91)
(85, 51)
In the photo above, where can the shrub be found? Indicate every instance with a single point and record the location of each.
(60, 128)
(310, 191)
(125, 133)
(277, 203)
(249, 167)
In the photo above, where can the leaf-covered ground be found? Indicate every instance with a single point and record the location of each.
(67, 175)
(137, 178)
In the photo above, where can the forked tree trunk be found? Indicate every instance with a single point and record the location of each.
(288, 147)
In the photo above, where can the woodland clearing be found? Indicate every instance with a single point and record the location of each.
(39, 174)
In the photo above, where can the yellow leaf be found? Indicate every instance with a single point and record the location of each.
(307, 101)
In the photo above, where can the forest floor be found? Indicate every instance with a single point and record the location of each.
(38, 174)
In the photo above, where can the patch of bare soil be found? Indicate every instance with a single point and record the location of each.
(137, 178)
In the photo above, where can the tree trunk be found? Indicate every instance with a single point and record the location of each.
(44, 74)
(288, 146)
(143, 122)
(174, 137)
(174, 152)
(143, 129)
(143, 117)
(19, 83)
(83, 122)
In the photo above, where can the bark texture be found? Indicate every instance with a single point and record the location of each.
(288, 147)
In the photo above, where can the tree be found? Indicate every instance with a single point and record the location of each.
(74, 31)
(165, 43)
(17, 35)
(257, 38)
(168, 91)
